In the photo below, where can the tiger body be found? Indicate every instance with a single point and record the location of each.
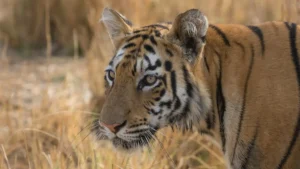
(257, 70)
(238, 84)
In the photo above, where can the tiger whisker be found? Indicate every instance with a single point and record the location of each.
(83, 139)
(159, 132)
(86, 127)
(148, 143)
(150, 135)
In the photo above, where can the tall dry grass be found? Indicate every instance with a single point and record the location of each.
(24, 22)
(45, 105)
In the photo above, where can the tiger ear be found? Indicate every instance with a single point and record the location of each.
(116, 24)
(188, 31)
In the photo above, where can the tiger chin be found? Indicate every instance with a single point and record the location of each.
(240, 84)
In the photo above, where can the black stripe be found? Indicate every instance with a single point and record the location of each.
(128, 56)
(203, 38)
(169, 52)
(153, 41)
(206, 132)
(157, 33)
(175, 99)
(221, 106)
(206, 64)
(242, 47)
(189, 87)
(168, 66)
(243, 104)
(173, 83)
(135, 125)
(152, 104)
(145, 37)
(288, 27)
(260, 35)
(150, 66)
(157, 91)
(174, 91)
(133, 37)
(186, 108)
(167, 104)
(181, 116)
(147, 60)
(208, 122)
(162, 92)
(133, 52)
(189, 90)
(142, 63)
(294, 53)
(137, 131)
(155, 112)
(164, 80)
(222, 34)
(157, 25)
(129, 45)
(149, 48)
(249, 151)
(118, 55)
(141, 30)
(213, 122)
(177, 104)
(158, 63)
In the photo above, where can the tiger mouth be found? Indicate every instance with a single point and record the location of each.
(141, 141)
(143, 138)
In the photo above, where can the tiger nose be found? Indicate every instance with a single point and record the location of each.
(114, 127)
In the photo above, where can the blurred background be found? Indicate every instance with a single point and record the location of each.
(52, 56)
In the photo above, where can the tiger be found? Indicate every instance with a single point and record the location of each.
(238, 84)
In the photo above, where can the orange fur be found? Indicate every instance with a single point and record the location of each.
(246, 78)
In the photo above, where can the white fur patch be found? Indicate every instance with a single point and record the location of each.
(112, 22)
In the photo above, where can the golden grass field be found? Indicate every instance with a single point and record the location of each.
(46, 101)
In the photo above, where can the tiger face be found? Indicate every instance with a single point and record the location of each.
(149, 82)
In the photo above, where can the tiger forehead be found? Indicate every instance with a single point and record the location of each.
(132, 46)
(150, 32)
(139, 37)
(141, 49)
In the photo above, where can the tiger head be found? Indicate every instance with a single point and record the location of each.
(150, 81)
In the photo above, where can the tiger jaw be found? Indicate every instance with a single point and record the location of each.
(125, 139)
(141, 141)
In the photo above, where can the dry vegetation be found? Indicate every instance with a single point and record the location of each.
(45, 104)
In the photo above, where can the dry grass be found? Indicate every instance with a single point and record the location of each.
(25, 22)
(45, 104)
(44, 117)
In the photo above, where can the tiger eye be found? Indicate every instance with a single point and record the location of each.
(111, 75)
(150, 79)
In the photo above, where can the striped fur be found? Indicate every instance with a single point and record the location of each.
(240, 84)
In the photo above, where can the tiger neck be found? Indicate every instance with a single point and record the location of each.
(210, 71)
